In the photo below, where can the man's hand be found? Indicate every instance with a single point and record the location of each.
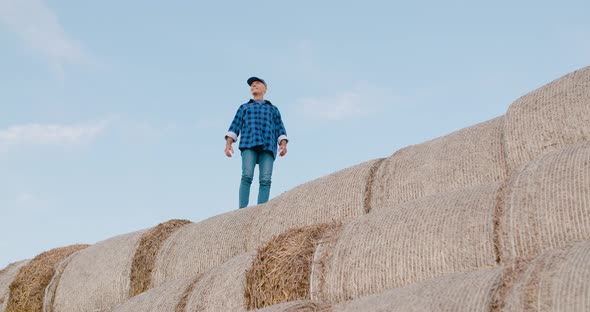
(283, 148)
(229, 150)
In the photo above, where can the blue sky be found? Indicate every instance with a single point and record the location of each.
(113, 112)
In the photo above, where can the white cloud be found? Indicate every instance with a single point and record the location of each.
(359, 102)
(35, 23)
(47, 134)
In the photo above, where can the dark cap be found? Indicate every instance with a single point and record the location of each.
(252, 79)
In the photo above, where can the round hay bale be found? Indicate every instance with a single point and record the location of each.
(7, 275)
(418, 240)
(319, 266)
(165, 298)
(298, 306)
(338, 197)
(546, 204)
(557, 280)
(468, 157)
(198, 247)
(282, 268)
(49, 299)
(472, 291)
(549, 118)
(27, 290)
(97, 277)
(145, 255)
(222, 288)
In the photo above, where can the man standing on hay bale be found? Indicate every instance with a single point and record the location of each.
(262, 130)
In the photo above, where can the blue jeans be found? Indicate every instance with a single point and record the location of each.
(265, 160)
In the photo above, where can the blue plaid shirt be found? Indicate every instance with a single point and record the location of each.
(260, 124)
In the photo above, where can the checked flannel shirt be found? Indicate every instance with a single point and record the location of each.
(260, 124)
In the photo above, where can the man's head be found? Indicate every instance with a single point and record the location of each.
(257, 87)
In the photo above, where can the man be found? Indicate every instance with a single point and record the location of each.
(262, 129)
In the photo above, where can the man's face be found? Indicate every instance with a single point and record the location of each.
(257, 88)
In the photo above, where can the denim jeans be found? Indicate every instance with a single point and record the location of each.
(265, 160)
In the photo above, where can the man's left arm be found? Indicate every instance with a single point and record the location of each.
(283, 139)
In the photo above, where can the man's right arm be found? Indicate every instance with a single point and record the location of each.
(232, 134)
(229, 150)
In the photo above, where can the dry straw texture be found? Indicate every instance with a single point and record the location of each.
(458, 292)
(28, 288)
(282, 268)
(7, 275)
(557, 280)
(337, 197)
(145, 255)
(97, 277)
(298, 306)
(418, 240)
(197, 247)
(468, 157)
(547, 204)
(549, 118)
(160, 299)
(222, 288)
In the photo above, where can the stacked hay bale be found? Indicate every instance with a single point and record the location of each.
(341, 197)
(168, 297)
(218, 289)
(546, 204)
(472, 291)
(7, 275)
(27, 290)
(557, 280)
(431, 236)
(283, 268)
(298, 306)
(119, 268)
(107, 265)
(222, 288)
(468, 157)
(436, 220)
(145, 256)
(548, 119)
(338, 197)
(458, 231)
(221, 237)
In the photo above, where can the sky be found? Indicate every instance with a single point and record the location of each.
(113, 113)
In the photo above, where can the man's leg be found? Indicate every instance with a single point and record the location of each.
(265, 163)
(248, 162)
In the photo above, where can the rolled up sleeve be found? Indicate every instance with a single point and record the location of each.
(236, 125)
(280, 128)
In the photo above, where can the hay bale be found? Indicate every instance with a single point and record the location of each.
(468, 157)
(337, 197)
(7, 275)
(145, 255)
(165, 298)
(282, 268)
(198, 247)
(27, 290)
(298, 306)
(49, 300)
(97, 277)
(557, 280)
(319, 267)
(222, 288)
(549, 118)
(472, 291)
(545, 204)
(415, 241)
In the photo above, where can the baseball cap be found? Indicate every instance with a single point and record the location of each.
(252, 79)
